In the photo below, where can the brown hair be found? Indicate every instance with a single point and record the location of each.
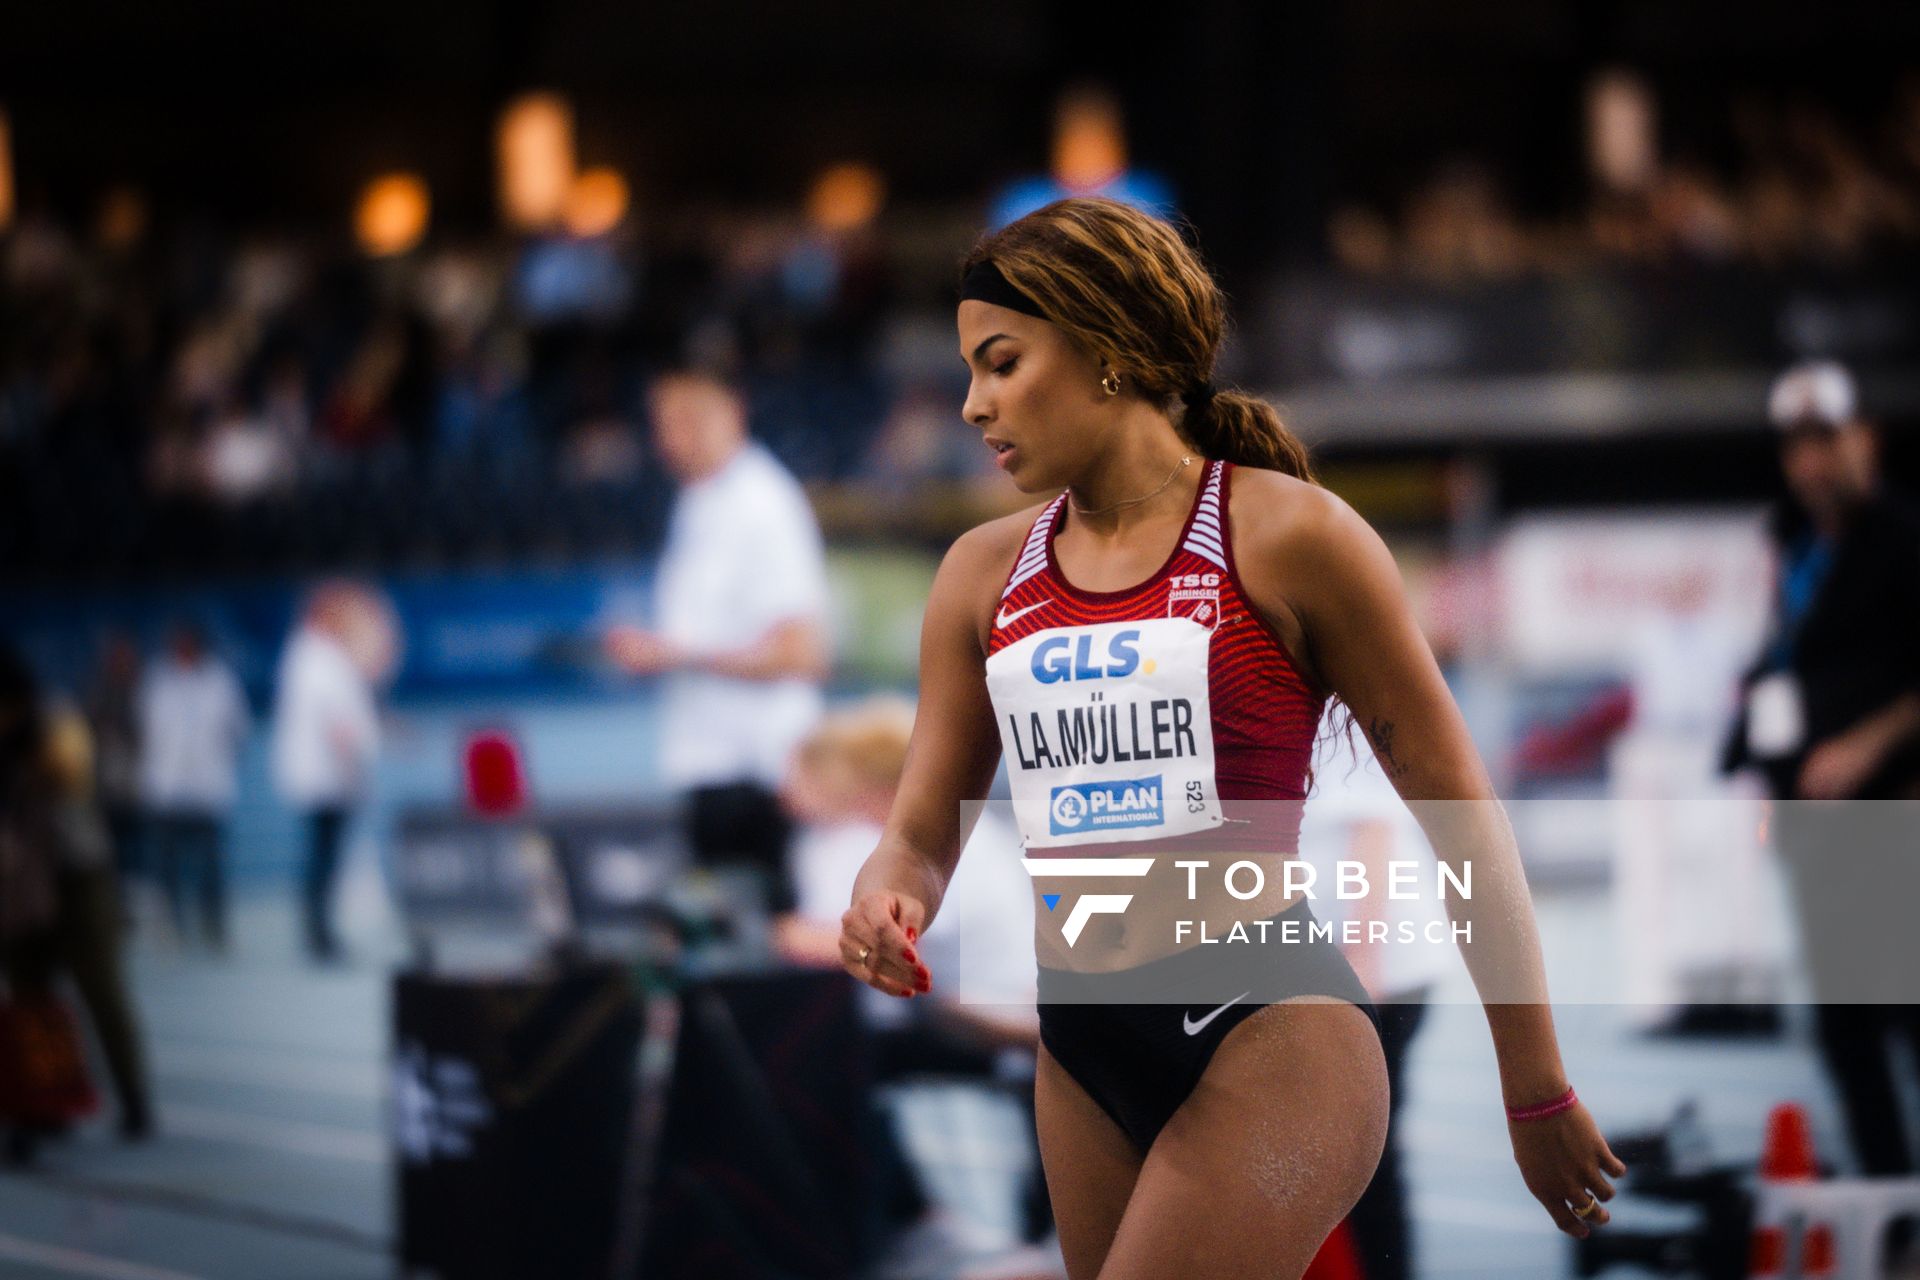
(1127, 285)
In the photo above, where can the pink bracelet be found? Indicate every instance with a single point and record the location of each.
(1541, 1110)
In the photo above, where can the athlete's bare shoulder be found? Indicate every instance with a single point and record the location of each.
(976, 567)
(1300, 552)
(1279, 519)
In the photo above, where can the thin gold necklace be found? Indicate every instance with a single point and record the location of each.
(1128, 502)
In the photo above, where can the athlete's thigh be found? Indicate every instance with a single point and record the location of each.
(1090, 1166)
(1266, 1156)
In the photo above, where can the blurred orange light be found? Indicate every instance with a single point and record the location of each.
(535, 156)
(1089, 139)
(123, 218)
(597, 202)
(846, 197)
(392, 214)
(6, 172)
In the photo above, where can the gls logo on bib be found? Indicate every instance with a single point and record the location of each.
(1101, 724)
(1070, 657)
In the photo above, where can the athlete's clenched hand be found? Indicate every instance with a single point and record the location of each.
(1565, 1161)
(885, 925)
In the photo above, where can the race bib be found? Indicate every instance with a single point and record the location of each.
(1107, 731)
(1776, 721)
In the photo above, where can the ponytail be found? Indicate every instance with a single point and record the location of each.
(1246, 431)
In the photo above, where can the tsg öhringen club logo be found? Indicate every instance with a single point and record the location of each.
(1087, 905)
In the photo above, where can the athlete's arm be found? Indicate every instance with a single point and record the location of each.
(1310, 555)
(950, 759)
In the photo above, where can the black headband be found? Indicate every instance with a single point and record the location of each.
(984, 283)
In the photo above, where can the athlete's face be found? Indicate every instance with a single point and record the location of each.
(1035, 394)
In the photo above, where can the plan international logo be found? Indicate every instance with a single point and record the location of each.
(1105, 806)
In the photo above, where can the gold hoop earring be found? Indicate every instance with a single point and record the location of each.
(1111, 383)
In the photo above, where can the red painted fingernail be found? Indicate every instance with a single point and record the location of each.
(912, 958)
(912, 933)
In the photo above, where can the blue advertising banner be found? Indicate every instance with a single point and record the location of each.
(509, 632)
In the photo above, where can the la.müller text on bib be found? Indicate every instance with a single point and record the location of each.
(1107, 731)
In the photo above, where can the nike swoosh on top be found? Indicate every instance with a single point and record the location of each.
(1005, 619)
(1193, 1028)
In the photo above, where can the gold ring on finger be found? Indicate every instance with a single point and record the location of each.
(1591, 1207)
(864, 953)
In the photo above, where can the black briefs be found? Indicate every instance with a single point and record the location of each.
(1137, 1040)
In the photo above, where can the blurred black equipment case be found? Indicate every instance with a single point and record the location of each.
(511, 1098)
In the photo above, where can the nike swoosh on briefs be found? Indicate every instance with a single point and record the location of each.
(1193, 1028)
(1005, 619)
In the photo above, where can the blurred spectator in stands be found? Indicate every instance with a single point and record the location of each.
(1695, 217)
(923, 440)
(359, 415)
(601, 445)
(113, 711)
(285, 409)
(193, 722)
(327, 731)
(1459, 224)
(602, 449)
(740, 629)
(243, 459)
(1362, 241)
(482, 413)
(1089, 159)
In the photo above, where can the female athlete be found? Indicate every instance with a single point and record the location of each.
(1183, 611)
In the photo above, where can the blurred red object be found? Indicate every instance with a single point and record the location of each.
(1788, 1152)
(43, 1067)
(1338, 1258)
(1579, 743)
(496, 784)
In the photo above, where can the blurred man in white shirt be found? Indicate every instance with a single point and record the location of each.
(327, 732)
(193, 719)
(740, 606)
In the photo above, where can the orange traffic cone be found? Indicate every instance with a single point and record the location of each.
(1788, 1156)
(1338, 1259)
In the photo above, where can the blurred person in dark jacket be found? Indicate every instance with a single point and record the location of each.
(59, 894)
(113, 714)
(1830, 711)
